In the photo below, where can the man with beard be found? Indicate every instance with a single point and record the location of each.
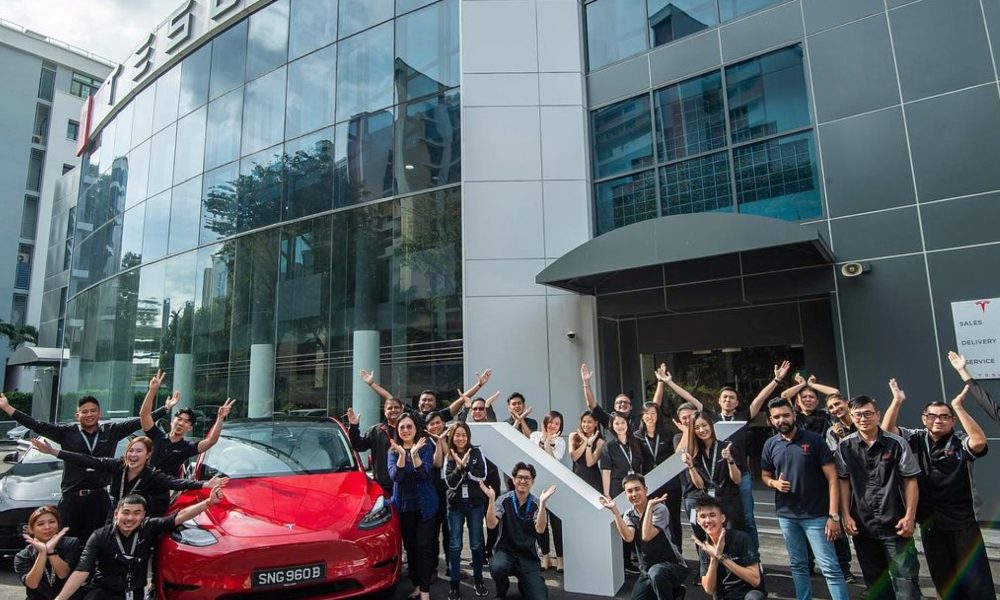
(808, 517)
(376, 440)
(949, 529)
(840, 427)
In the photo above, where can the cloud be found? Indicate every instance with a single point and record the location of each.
(110, 28)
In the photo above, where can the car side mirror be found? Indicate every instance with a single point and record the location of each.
(10, 458)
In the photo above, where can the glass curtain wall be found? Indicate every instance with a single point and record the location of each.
(292, 181)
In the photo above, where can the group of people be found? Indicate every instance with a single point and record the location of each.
(846, 472)
(97, 544)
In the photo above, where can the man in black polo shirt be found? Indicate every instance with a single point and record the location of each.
(519, 412)
(953, 543)
(806, 398)
(171, 450)
(840, 427)
(730, 567)
(661, 567)
(117, 555)
(806, 498)
(85, 503)
(621, 405)
(878, 503)
(521, 518)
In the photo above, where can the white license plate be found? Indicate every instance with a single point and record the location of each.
(283, 577)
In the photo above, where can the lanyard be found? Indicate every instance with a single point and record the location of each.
(527, 507)
(128, 557)
(715, 459)
(121, 490)
(90, 445)
(628, 456)
(654, 450)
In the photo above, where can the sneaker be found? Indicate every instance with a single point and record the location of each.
(454, 594)
(631, 569)
(481, 590)
(849, 578)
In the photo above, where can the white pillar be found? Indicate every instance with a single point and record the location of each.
(260, 402)
(366, 403)
(184, 379)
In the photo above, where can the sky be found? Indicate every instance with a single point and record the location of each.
(110, 28)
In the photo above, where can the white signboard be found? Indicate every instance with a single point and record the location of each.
(977, 331)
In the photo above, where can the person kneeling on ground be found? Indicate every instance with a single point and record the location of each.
(118, 554)
(662, 568)
(522, 518)
(730, 568)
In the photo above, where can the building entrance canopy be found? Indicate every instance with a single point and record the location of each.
(681, 250)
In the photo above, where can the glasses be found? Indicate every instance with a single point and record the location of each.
(405, 427)
(478, 408)
(934, 417)
(864, 416)
(522, 477)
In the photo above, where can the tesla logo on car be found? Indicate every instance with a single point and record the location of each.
(290, 526)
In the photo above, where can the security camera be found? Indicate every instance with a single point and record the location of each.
(571, 335)
(854, 269)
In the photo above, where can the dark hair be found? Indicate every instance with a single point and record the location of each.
(431, 392)
(633, 477)
(728, 388)
(145, 441)
(833, 396)
(43, 510)
(522, 466)
(859, 401)
(392, 399)
(190, 415)
(939, 404)
(779, 402)
(650, 404)
(88, 400)
(450, 438)
(132, 499)
(418, 427)
(687, 406)
(552, 414)
(633, 444)
(694, 443)
(807, 387)
(515, 395)
(431, 416)
(708, 502)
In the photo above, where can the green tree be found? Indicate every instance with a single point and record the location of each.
(18, 334)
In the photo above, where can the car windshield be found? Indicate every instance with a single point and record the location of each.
(285, 447)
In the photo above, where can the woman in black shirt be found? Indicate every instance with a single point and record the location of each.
(621, 456)
(712, 470)
(585, 445)
(464, 468)
(50, 556)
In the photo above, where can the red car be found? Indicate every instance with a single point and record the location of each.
(301, 519)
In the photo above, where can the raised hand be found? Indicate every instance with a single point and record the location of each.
(395, 447)
(662, 374)
(156, 381)
(727, 452)
(957, 360)
(527, 411)
(50, 546)
(4, 403)
(37, 544)
(782, 485)
(798, 378)
(958, 401)
(781, 370)
(592, 439)
(215, 496)
(686, 459)
(367, 376)
(418, 445)
(172, 400)
(607, 503)
(217, 482)
(488, 492)
(585, 373)
(466, 401)
(897, 394)
(546, 494)
(225, 409)
(484, 377)
(43, 446)
(651, 501)
(352, 417)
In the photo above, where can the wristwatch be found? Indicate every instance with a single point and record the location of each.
(834, 518)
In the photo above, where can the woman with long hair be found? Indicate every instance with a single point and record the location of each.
(655, 441)
(549, 439)
(585, 445)
(621, 456)
(712, 470)
(131, 474)
(411, 461)
(464, 468)
(50, 557)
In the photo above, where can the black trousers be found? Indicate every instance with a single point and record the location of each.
(526, 569)
(492, 482)
(441, 537)
(660, 582)
(419, 542)
(674, 494)
(555, 526)
(957, 562)
(84, 514)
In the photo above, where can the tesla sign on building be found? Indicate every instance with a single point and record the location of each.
(977, 330)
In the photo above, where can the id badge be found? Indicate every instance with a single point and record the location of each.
(465, 492)
(711, 492)
(128, 595)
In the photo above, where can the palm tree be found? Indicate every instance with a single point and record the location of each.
(18, 334)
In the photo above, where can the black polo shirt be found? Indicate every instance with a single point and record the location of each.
(68, 549)
(727, 585)
(947, 489)
(816, 422)
(655, 449)
(658, 550)
(832, 439)
(876, 474)
(517, 526)
(800, 460)
(603, 418)
(110, 568)
(532, 424)
(169, 456)
(621, 460)
(73, 438)
(739, 437)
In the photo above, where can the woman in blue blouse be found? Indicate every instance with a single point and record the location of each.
(411, 461)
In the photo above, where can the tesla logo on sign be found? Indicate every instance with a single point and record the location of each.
(982, 304)
(977, 337)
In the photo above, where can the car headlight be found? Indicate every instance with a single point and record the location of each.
(380, 514)
(192, 535)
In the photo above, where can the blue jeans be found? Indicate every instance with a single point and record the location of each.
(746, 498)
(810, 532)
(474, 518)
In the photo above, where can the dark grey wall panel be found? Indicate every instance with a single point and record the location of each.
(624, 79)
(992, 10)
(715, 267)
(631, 367)
(818, 338)
(804, 283)
(962, 222)
(955, 140)
(610, 361)
(888, 332)
(940, 46)
(757, 326)
(766, 29)
(852, 69)
(865, 163)
(631, 303)
(685, 57)
(876, 234)
(700, 296)
(822, 14)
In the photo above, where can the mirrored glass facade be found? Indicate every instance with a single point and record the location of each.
(739, 139)
(277, 191)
